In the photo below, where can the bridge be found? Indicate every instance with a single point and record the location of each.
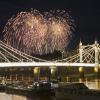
(83, 55)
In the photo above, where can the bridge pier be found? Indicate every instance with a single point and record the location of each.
(36, 72)
(68, 78)
(97, 72)
(81, 74)
(44, 73)
(53, 73)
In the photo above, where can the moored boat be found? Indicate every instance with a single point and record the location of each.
(76, 91)
(38, 88)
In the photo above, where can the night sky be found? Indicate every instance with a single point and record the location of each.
(86, 14)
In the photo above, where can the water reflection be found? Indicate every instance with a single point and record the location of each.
(93, 84)
(42, 98)
(4, 96)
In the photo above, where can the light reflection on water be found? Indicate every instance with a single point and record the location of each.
(95, 84)
(4, 96)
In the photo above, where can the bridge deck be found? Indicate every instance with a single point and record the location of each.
(34, 64)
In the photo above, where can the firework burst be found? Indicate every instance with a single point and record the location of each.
(33, 33)
(60, 26)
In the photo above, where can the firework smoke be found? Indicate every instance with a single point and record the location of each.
(33, 33)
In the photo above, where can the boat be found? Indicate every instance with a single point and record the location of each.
(35, 89)
(76, 91)
(43, 87)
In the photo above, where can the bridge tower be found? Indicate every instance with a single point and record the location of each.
(96, 52)
(80, 51)
(96, 68)
(81, 69)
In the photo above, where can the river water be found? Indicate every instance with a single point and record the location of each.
(4, 96)
(95, 84)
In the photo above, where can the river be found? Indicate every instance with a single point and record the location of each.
(95, 84)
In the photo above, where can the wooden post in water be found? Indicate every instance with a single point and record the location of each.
(22, 78)
(16, 77)
(29, 78)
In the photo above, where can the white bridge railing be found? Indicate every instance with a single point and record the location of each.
(48, 64)
(85, 55)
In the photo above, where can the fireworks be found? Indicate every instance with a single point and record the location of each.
(34, 33)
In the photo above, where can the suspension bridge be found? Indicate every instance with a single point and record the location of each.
(84, 55)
